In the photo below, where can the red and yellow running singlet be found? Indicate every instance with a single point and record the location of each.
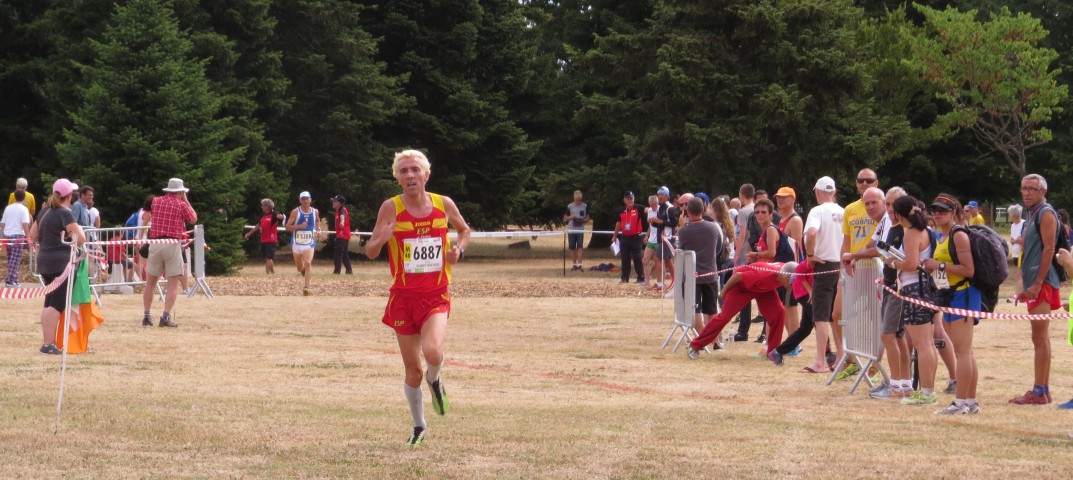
(417, 249)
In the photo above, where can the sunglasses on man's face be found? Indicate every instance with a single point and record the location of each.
(866, 180)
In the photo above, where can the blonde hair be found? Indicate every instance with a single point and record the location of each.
(577, 194)
(56, 201)
(422, 160)
(267, 202)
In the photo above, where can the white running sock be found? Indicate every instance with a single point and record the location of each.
(433, 373)
(927, 391)
(960, 402)
(417, 404)
(970, 401)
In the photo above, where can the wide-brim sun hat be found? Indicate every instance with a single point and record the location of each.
(175, 185)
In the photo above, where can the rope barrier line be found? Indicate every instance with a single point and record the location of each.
(961, 312)
(17, 293)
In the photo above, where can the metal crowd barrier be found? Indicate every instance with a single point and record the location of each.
(115, 266)
(862, 319)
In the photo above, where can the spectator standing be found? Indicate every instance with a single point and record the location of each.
(55, 222)
(915, 283)
(1017, 240)
(705, 240)
(792, 225)
(823, 246)
(268, 226)
(666, 223)
(1039, 281)
(28, 199)
(972, 210)
(892, 328)
(171, 212)
(629, 224)
(743, 244)
(954, 281)
(80, 209)
(577, 215)
(342, 235)
(15, 227)
(858, 225)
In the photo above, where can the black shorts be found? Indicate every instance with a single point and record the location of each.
(58, 298)
(913, 314)
(824, 286)
(707, 298)
(268, 250)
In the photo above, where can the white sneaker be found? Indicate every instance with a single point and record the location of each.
(692, 354)
(953, 409)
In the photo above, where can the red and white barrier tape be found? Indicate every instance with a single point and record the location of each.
(961, 312)
(157, 241)
(17, 293)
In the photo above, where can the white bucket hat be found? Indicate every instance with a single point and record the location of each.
(176, 185)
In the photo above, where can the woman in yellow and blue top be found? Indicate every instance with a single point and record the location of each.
(954, 281)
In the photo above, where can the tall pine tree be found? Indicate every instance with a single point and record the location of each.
(147, 114)
(462, 61)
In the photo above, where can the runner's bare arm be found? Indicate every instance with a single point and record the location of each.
(290, 226)
(454, 217)
(385, 227)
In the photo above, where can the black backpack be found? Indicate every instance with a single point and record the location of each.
(752, 231)
(1061, 242)
(783, 252)
(989, 254)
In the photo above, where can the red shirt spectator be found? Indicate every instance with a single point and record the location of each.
(342, 224)
(269, 225)
(170, 216)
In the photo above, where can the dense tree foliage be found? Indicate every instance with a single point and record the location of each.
(148, 114)
(518, 104)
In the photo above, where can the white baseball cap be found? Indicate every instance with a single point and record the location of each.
(825, 184)
(304, 195)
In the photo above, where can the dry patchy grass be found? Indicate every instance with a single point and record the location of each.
(541, 387)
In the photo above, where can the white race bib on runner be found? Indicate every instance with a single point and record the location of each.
(422, 255)
(303, 237)
(941, 282)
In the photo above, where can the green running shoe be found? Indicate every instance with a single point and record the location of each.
(439, 397)
(849, 371)
(918, 398)
(416, 437)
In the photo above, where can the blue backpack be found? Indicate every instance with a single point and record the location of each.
(132, 222)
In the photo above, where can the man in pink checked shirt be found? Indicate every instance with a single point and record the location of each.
(171, 213)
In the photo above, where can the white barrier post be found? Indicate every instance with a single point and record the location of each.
(198, 263)
(685, 298)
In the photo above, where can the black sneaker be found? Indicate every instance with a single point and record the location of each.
(439, 397)
(416, 437)
(741, 337)
(147, 321)
(761, 338)
(50, 349)
(758, 319)
(166, 322)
